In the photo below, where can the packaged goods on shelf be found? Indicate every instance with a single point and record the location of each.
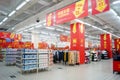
(33, 59)
(10, 56)
(27, 59)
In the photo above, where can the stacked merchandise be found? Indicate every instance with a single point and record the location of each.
(33, 59)
(43, 59)
(104, 54)
(2, 54)
(87, 57)
(94, 55)
(67, 57)
(27, 59)
(10, 57)
(50, 58)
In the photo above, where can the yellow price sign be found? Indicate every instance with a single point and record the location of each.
(101, 5)
(79, 8)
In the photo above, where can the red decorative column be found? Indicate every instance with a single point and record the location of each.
(78, 40)
(106, 43)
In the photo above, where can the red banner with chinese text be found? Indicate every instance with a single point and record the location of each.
(71, 12)
(64, 38)
(42, 45)
(117, 44)
(106, 43)
(99, 6)
(78, 40)
(50, 19)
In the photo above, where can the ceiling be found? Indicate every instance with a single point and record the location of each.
(107, 22)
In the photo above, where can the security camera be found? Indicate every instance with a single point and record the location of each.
(37, 20)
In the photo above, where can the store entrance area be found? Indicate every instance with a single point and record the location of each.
(95, 71)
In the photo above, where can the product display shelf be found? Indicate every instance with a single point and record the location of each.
(2, 54)
(27, 59)
(10, 56)
(43, 59)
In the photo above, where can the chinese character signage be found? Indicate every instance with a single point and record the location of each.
(64, 38)
(77, 41)
(106, 43)
(50, 19)
(99, 6)
(73, 11)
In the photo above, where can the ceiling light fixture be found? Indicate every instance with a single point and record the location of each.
(13, 12)
(38, 26)
(21, 5)
(4, 19)
(67, 31)
(27, 0)
(77, 20)
(44, 33)
(115, 2)
(113, 11)
(51, 28)
(1, 23)
(60, 30)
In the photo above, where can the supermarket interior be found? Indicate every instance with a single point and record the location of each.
(59, 39)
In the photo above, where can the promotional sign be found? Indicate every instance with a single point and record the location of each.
(42, 45)
(50, 19)
(73, 11)
(117, 44)
(99, 6)
(78, 40)
(106, 43)
(64, 38)
(5, 35)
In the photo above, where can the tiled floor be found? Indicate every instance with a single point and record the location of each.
(95, 71)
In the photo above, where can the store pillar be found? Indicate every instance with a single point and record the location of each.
(35, 39)
(117, 44)
(106, 43)
(78, 40)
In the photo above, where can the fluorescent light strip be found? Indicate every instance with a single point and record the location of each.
(38, 26)
(116, 2)
(21, 5)
(13, 12)
(4, 19)
(51, 28)
(44, 33)
(113, 12)
(60, 30)
(27, 0)
(1, 23)
(77, 20)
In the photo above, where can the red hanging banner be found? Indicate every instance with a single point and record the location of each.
(50, 19)
(78, 40)
(106, 43)
(64, 38)
(117, 44)
(99, 6)
(73, 11)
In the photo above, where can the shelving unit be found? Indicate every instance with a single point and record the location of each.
(27, 59)
(32, 59)
(2, 54)
(10, 56)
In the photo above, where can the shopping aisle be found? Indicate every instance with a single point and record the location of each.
(94, 71)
